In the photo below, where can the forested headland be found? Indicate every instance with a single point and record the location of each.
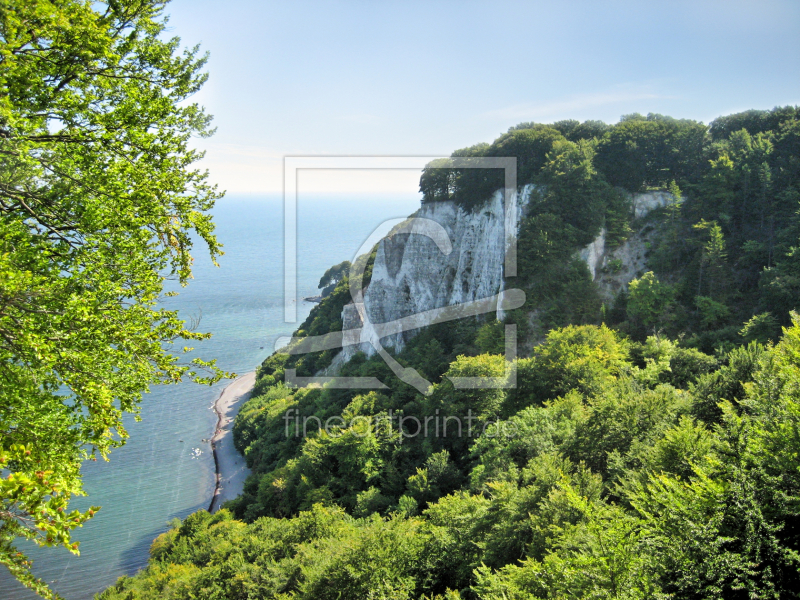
(651, 446)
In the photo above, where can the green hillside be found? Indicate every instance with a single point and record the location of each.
(649, 450)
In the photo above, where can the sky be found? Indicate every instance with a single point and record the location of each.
(423, 78)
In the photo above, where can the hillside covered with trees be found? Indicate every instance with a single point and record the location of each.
(650, 448)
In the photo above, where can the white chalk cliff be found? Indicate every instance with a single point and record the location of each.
(613, 268)
(411, 275)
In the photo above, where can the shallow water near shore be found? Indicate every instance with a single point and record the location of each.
(166, 470)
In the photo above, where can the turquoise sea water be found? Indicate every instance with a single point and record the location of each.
(159, 475)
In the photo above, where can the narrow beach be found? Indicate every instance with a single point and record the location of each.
(231, 469)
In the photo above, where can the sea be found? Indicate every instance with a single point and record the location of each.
(166, 469)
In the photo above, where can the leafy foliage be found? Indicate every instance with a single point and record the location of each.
(611, 490)
(98, 205)
(331, 278)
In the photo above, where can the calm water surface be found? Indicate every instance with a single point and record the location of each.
(166, 470)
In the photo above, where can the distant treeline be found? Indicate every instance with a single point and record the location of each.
(637, 153)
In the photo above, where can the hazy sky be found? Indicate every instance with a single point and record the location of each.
(426, 78)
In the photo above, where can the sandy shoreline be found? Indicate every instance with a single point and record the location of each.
(231, 469)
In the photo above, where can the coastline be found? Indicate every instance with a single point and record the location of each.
(230, 467)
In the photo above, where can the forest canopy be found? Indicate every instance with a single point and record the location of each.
(648, 450)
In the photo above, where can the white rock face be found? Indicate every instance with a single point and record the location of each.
(613, 270)
(616, 268)
(593, 254)
(644, 203)
(411, 275)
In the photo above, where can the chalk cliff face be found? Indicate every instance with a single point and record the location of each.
(411, 275)
(612, 269)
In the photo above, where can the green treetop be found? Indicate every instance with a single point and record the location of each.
(98, 198)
